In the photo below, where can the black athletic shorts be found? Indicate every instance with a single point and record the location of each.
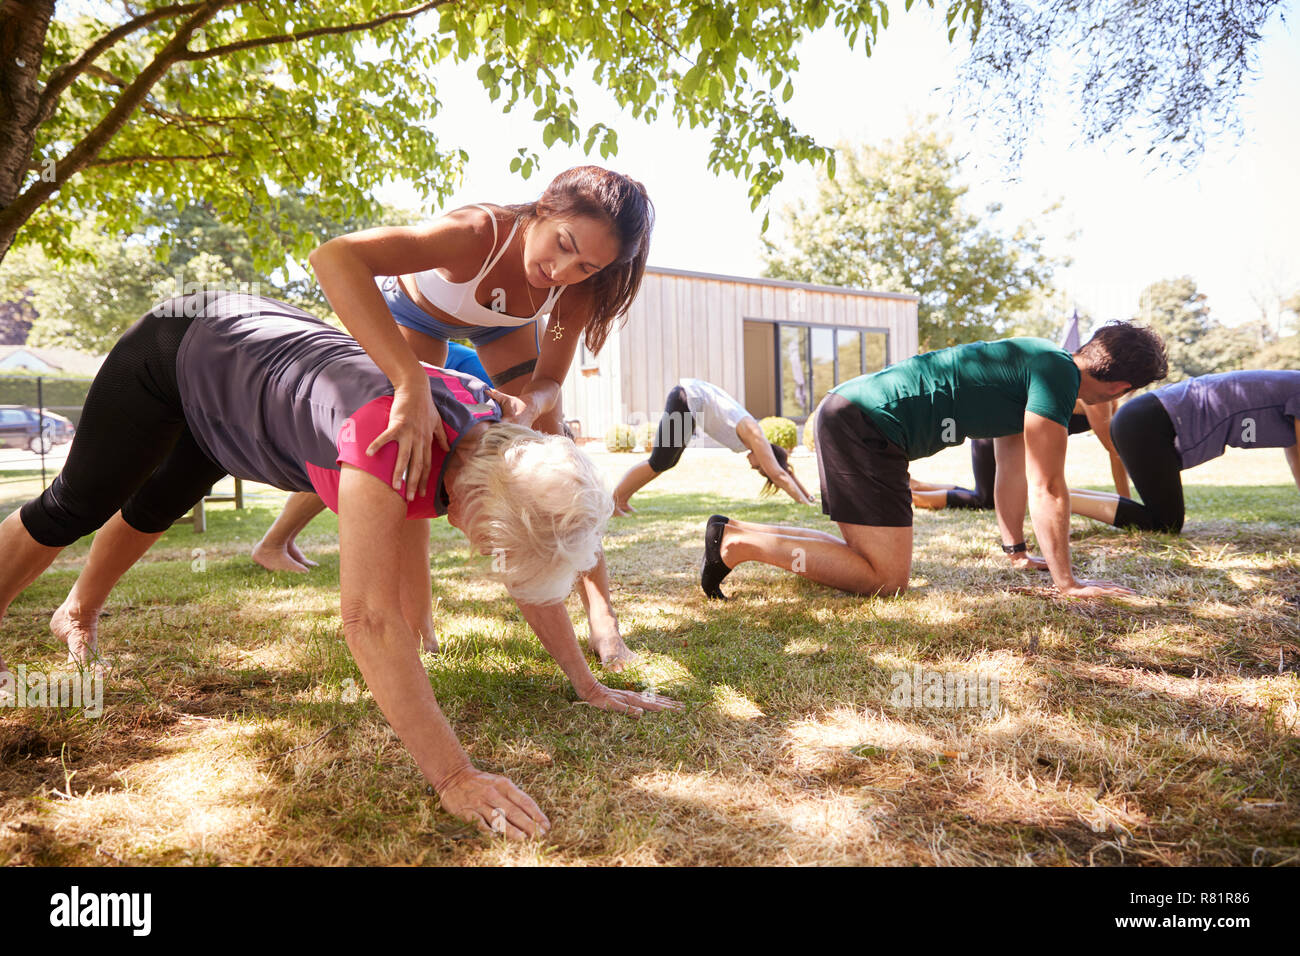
(863, 474)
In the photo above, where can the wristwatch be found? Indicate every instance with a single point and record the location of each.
(1014, 548)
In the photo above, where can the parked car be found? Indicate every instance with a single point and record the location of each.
(24, 427)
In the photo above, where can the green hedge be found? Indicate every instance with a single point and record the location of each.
(620, 438)
(780, 431)
(63, 395)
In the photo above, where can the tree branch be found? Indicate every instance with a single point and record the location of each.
(663, 40)
(284, 158)
(86, 151)
(340, 29)
(167, 116)
(127, 160)
(61, 78)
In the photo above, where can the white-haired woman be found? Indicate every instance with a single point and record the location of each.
(214, 384)
(492, 274)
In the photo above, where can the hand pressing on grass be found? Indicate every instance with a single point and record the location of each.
(493, 804)
(1023, 561)
(628, 702)
(1090, 589)
(551, 624)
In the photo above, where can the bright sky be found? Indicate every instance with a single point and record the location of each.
(1231, 222)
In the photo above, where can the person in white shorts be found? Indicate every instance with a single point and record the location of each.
(695, 403)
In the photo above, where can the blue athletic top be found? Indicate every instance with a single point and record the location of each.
(461, 358)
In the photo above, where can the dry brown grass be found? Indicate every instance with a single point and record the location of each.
(1157, 731)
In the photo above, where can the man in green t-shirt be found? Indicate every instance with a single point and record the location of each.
(1020, 392)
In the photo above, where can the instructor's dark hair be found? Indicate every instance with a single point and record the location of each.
(782, 459)
(599, 193)
(1124, 352)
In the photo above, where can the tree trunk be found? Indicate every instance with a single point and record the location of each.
(23, 25)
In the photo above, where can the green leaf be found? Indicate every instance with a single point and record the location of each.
(865, 751)
(691, 81)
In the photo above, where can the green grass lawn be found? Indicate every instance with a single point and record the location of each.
(1157, 730)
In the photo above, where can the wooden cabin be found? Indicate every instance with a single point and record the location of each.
(777, 346)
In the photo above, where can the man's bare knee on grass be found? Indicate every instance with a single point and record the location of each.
(887, 552)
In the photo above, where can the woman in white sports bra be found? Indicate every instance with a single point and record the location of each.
(491, 274)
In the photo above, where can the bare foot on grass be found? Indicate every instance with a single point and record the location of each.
(301, 558)
(79, 630)
(280, 559)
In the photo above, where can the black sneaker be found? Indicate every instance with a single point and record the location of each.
(713, 570)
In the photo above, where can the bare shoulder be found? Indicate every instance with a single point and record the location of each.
(474, 224)
(458, 241)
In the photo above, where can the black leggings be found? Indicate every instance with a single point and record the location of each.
(1144, 437)
(675, 430)
(985, 465)
(132, 450)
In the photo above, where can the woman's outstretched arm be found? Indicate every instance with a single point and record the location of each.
(387, 651)
(559, 339)
(752, 435)
(346, 267)
(1099, 417)
(551, 624)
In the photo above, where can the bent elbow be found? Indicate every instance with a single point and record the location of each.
(321, 255)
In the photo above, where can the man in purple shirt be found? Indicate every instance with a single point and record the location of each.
(1164, 432)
